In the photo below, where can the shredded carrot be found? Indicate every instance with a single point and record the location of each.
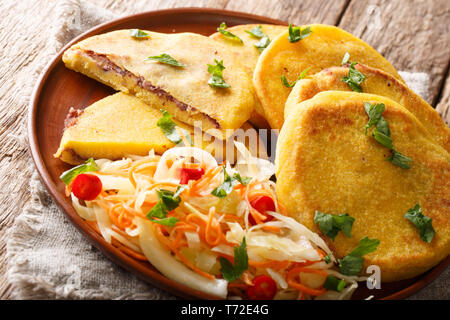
(271, 228)
(291, 280)
(273, 264)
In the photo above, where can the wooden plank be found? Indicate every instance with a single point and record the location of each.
(412, 34)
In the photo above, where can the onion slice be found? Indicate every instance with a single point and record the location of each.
(162, 260)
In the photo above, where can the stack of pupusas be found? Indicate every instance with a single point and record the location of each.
(359, 155)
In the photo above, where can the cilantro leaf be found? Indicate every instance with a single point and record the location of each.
(296, 34)
(225, 188)
(242, 180)
(68, 176)
(331, 224)
(256, 32)
(139, 34)
(400, 160)
(327, 258)
(228, 34)
(374, 112)
(422, 223)
(352, 263)
(228, 183)
(300, 77)
(169, 221)
(263, 43)
(167, 59)
(170, 130)
(345, 59)
(382, 139)
(232, 272)
(168, 201)
(354, 78)
(216, 79)
(365, 246)
(335, 284)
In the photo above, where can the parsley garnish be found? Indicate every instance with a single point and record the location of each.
(68, 176)
(335, 284)
(256, 32)
(331, 224)
(138, 34)
(263, 43)
(232, 272)
(354, 78)
(228, 183)
(352, 263)
(382, 134)
(327, 258)
(167, 59)
(216, 79)
(296, 34)
(222, 30)
(300, 77)
(169, 128)
(400, 160)
(422, 223)
(167, 202)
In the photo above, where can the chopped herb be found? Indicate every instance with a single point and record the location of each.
(139, 34)
(68, 176)
(422, 223)
(232, 272)
(256, 32)
(400, 160)
(228, 183)
(352, 263)
(345, 59)
(228, 34)
(263, 43)
(243, 180)
(382, 139)
(374, 112)
(331, 224)
(354, 78)
(179, 190)
(167, 59)
(216, 79)
(170, 130)
(335, 284)
(327, 258)
(296, 34)
(167, 202)
(382, 133)
(300, 77)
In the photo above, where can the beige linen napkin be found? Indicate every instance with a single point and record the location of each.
(47, 257)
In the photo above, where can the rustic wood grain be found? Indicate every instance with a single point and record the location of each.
(412, 34)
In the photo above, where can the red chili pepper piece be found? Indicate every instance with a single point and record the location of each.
(86, 186)
(263, 288)
(262, 204)
(191, 174)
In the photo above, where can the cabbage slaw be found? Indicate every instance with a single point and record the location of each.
(209, 227)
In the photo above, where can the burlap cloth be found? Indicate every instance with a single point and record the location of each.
(47, 257)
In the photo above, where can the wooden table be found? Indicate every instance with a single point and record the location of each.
(412, 34)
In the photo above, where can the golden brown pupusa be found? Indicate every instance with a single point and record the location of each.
(325, 162)
(376, 82)
(323, 48)
(120, 61)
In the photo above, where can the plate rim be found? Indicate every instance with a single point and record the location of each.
(155, 278)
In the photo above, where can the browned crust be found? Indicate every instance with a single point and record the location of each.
(107, 65)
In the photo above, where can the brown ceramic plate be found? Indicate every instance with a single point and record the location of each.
(59, 88)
